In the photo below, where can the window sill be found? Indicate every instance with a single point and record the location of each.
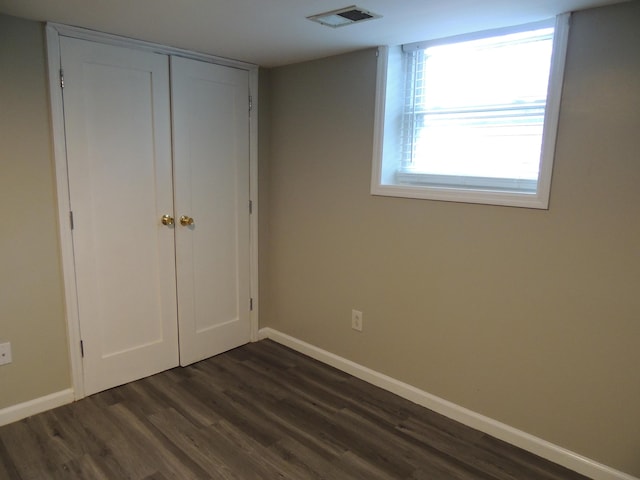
(463, 195)
(484, 184)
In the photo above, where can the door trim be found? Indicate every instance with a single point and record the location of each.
(53, 33)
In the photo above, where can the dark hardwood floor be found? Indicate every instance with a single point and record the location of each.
(262, 412)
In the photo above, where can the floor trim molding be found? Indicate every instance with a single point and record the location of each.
(538, 446)
(19, 411)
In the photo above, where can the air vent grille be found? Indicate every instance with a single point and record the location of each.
(344, 16)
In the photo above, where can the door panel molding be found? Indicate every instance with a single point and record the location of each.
(120, 175)
(210, 127)
(53, 34)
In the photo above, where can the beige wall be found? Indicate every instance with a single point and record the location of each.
(31, 294)
(529, 317)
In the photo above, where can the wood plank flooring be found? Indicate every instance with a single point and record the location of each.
(262, 412)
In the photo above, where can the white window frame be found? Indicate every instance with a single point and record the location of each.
(388, 120)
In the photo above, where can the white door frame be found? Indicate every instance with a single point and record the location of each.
(53, 33)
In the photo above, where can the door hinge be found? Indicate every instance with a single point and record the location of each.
(71, 219)
(251, 304)
(82, 348)
(250, 207)
(250, 103)
(61, 78)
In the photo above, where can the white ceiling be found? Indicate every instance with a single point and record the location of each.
(275, 32)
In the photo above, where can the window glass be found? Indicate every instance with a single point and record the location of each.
(474, 113)
(490, 93)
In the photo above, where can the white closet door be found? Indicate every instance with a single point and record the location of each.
(117, 119)
(210, 110)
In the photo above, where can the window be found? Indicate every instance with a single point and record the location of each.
(471, 118)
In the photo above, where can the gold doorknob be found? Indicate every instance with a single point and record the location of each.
(185, 221)
(167, 220)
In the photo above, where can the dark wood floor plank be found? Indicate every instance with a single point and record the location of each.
(278, 359)
(6, 474)
(308, 461)
(195, 443)
(30, 453)
(259, 412)
(419, 454)
(250, 380)
(357, 467)
(148, 449)
(459, 448)
(253, 451)
(304, 386)
(542, 469)
(156, 476)
(47, 426)
(373, 450)
(293, 425)
(88, 431)
(176, 396)
(85, 467)
(8, 469)
(242, 416)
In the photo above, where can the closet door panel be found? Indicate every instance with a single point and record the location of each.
(211, 165)
(117, 119)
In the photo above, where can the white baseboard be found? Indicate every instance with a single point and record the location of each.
(535, 445)
(38, 405)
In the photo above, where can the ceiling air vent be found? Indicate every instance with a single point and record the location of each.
(344, 16)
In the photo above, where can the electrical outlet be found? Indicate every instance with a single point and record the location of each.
(5, 353)
(356, 320)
